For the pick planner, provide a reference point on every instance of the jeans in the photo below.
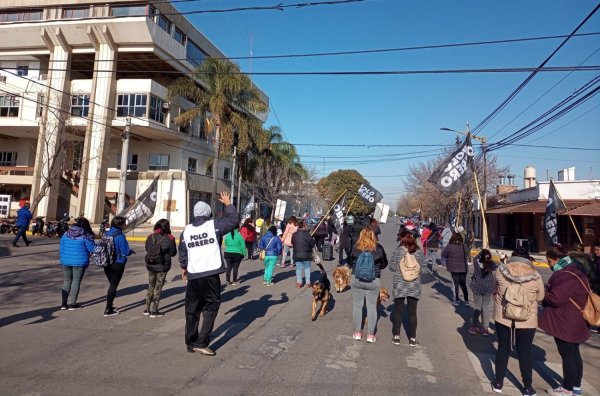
(460, 280)
(362, 291)
(202, 296)
(114, 273)
(233, 261)
(303, 266)
(286, 250)
(347, 251)
(72, 281)
(412, 316)
(572, 364)
(156, 280)
(523, 342)
(269, 266)
(21, 233)
(482, 305)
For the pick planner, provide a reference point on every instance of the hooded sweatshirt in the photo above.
(518, 270)
(75, 247)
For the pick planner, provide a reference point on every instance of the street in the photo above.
(265, 342)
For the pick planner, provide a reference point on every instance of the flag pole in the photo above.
(485, 240)
(458, 209)
(323, 218)
(350, 206)
(567, 212)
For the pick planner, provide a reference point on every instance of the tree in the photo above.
(226, 100)
(334, 185)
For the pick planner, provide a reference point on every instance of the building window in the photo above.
(132, 162)
(80, 105)
(159, 162)
(77, 12)
(192, 165)
(209, 170)
(132, 105)
(9, 106)
(179, 36)
(194, 54)
(226, 173)
(158, 109)
(164, 23)
(22, 70)
(8, 158)
(133, 10)
(19, 16)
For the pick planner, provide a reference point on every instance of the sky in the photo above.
(398, 112)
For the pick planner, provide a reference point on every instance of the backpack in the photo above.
(103, 254)
(154, 253)
(365, 267)
(409, 267)
(591, 310)
(515, 304)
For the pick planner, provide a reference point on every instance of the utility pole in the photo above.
(124, 161)
(233, 173)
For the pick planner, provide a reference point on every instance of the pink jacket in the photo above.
(286, 238)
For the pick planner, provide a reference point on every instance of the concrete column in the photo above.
(49, 158)
(97, 138)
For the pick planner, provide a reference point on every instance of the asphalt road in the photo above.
(266, 343)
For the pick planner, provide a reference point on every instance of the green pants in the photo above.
(269, 266)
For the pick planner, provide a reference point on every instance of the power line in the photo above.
(562, 126)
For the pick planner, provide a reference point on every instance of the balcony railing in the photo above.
(16, 170)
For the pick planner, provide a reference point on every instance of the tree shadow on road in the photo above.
(245, 314)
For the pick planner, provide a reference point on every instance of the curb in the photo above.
(496, 258)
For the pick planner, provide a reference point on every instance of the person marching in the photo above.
(483, 284)
(114, 271)
(271, 244)
(235, 250)
(160, 247)
(303, 245)
(23, 219)
(457, 264)
(249, 234)
(201, 263)
(286, 239)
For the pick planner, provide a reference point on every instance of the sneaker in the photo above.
(529, 391)
(299, 285)
(577, 391)
(412, 342)
(73, 307)
(15, 245)
(456, 303)
(371, 338)
(64, 307)
(308, 285)
(467, 304)
(264, 282)
(560, 391)
(396, 340)
(233, 283)
(270, 284)
(146, 312)
(357, 335)
(473, 330)
(156, 314)
(28, 243)
(111, 312)
(496, 387)
(204, 350)
(484, 332)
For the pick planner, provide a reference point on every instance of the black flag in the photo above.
(338, 214)
(451, 175)
(550, 225)
(369, 194)
(143, 209)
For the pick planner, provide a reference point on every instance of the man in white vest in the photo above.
(201, 262)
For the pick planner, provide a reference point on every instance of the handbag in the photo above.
(315, 256)
(263, 252)
(591, 310)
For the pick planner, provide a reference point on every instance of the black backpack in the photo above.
(154, 253)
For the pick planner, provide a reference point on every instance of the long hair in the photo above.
(236, 227)
(366, 241)
(456, 239)
(484, 255)
(85, 224)
(408, 241)
(164, 226)
(293, 220)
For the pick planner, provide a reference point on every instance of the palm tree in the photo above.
(227, 100)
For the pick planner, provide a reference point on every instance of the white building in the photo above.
(83, 67)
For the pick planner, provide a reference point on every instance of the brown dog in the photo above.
(383, 296)
(341, 278)
(321, 292)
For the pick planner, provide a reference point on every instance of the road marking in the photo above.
(420, 361)
(488, 360)
(345, 354)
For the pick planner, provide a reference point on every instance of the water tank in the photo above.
(529, 177)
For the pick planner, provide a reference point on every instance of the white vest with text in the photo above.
(203, 250)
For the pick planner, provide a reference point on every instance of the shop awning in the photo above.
(576, 208)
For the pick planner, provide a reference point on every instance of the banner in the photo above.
(369, 194)
(550, 224)
(381, 212)
(280, 207)
(142, 209)
(248, 209)
(451, 175)
(338, 214)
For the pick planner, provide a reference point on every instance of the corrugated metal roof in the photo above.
(576, 207)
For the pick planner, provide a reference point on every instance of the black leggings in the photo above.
(114, 273)
(460, 279)
(249, 247)
(572, 364)
(412, 316)
(523, 342)
(233, 263)
(342, 251)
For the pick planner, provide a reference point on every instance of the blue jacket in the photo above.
(122, 249)
(23, 217)
(274, 248)
(75, 247)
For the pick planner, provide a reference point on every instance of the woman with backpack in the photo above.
(75, 248)
(483, 284)
(566, 292)
(518, 285)
(235, 250)
(249, 234)
(457, 264)
(407, 285)
(114, 271)
(271, 244)
(286, 239)
(303, 245)
(160, 247)
(368, 259)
